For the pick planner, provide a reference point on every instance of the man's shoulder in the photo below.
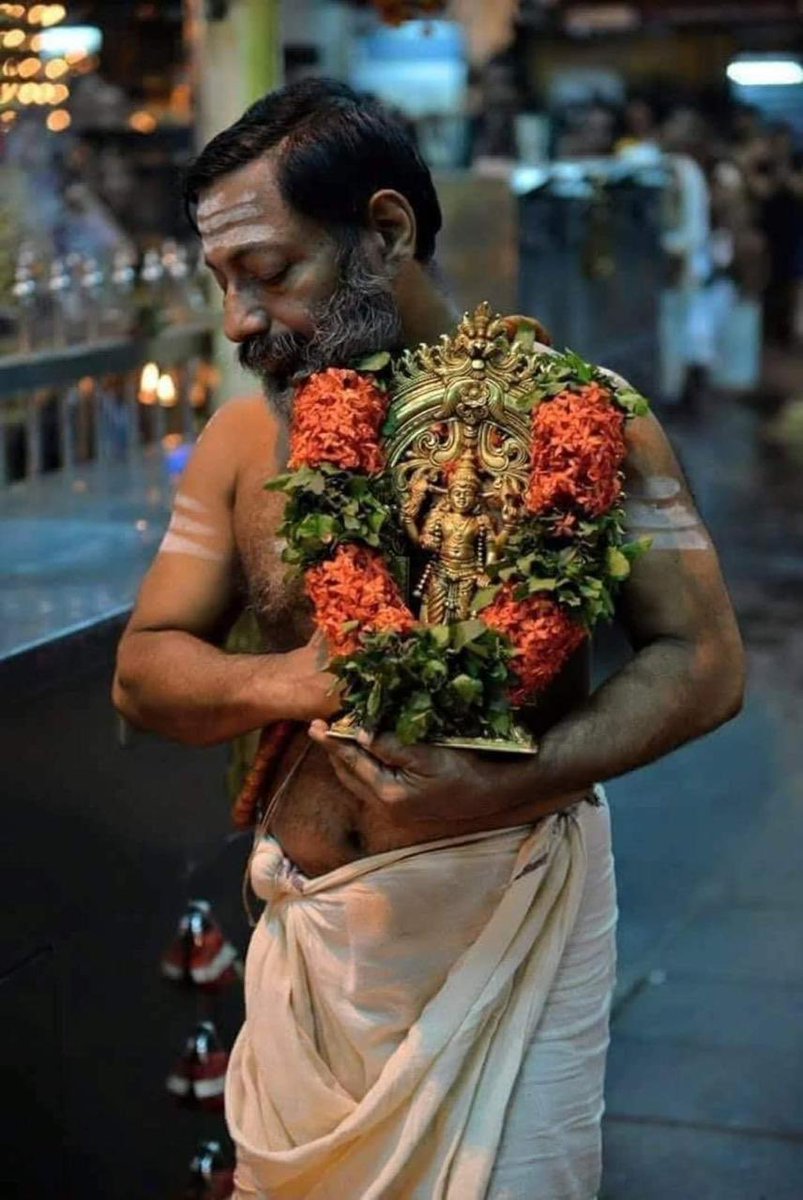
(241, 432)
(240, 414)
(240, 428)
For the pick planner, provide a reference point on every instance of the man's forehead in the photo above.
(247, 195)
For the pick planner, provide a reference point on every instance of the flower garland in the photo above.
(559, 573)
(353, 593)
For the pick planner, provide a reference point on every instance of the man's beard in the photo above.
(360, 318)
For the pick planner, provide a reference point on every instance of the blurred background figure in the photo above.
(639, 131)
(773, 171)
(690, 320)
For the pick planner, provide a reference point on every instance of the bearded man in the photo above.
(427, 989)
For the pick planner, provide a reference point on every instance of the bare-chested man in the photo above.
(427, 990)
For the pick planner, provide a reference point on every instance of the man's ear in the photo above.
(391, 217)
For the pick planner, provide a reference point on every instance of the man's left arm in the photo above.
(687, 674)
(685, 679)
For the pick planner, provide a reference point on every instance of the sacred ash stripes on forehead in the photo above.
(229, 216)
(238, 236)
(216, 202)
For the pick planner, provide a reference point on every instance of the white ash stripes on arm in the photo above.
(192, 535)
(657, 508)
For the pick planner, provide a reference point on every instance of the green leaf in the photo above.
(525, 337)
(635, 549)
(583, 370)
(316, 483)
(278, 484)
(466, 632)
(373, 362)
(501, 723)
(433, 672)
(469, 690)
(617, 563)
(374, 706)
(632, 401)
(441, 635)
(412, 727)
(484, 597)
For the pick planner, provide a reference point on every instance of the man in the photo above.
(688, 325)
(427, 989)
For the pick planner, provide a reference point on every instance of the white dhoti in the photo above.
(430, 1023)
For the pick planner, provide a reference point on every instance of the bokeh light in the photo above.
(59, 120)
(142, 121)
(56, 68)
(166, 391)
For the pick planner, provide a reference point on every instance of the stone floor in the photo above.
(705, 1086)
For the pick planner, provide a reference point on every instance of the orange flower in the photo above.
(578, 449)
(544, 635)
(356, 585)
(337, 418)
(565, 525)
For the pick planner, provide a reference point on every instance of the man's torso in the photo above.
(320, 824)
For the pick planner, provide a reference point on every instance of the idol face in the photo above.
(296, 298)
(463, 496)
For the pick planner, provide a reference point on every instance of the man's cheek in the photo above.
(293, 317)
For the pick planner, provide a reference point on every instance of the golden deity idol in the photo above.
(456, 533)
(458, 450)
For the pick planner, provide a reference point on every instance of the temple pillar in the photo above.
(236, 58)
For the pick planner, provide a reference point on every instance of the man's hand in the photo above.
(419, 784)
(312, 691)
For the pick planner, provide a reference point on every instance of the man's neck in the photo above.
(427, 311)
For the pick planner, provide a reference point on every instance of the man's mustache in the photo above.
(267, 353)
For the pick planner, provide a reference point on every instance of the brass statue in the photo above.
(458, 535)
(458, 444)
(459, 457)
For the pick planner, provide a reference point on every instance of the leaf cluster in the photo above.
(582, 574)
(434, 682)
(327, 507)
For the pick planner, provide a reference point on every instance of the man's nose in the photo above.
(243, 317)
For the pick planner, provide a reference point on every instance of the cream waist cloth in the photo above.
(390, 1005)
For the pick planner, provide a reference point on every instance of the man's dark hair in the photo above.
(335, 150)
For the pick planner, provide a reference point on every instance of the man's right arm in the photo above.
(172, 675)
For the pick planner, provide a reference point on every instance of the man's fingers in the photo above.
(352, 784)
(346, 754)
(387, 748)
(418, 762)
(350, 760)
(393, 753)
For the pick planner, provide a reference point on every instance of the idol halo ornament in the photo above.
(458, 516)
